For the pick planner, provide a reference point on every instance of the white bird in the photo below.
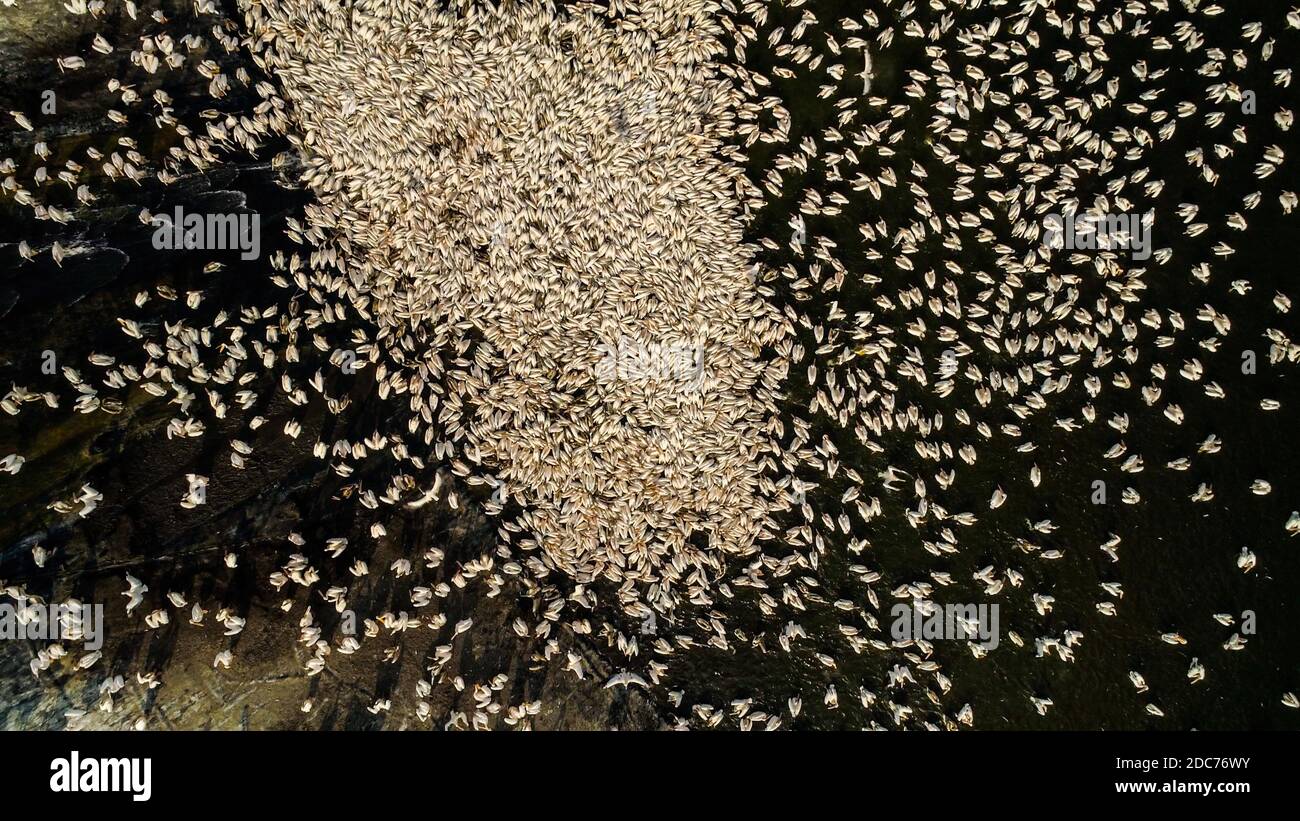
(626, 679)
(135, 592)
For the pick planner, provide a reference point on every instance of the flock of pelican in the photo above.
(505, 193)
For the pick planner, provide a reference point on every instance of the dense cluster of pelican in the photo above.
(530, 192)
(504, 194)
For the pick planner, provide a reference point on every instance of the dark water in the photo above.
(1177, 559)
